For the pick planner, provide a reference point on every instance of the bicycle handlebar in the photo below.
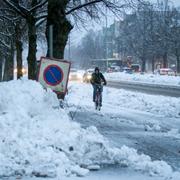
(98, 84)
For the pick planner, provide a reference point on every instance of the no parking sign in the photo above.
(54, 74)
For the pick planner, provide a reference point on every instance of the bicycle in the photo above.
(98, 96)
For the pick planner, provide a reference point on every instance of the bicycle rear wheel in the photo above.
(98, 102)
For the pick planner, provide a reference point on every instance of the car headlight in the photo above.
(79, 75)
(15, 70)
(23, 70)
(89, 77)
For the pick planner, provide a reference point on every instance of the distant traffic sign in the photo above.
(54, 74)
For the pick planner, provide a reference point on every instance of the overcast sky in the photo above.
(177, 2)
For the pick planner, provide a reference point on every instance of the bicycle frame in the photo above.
(98, 97)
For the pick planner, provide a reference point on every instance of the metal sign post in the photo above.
(51, 41)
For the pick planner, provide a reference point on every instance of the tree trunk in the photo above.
(177, 59)
(19, 59)
(153, 68)
(165, 60)
(32, 37)
(178, 63)
(61, 27)
(1, 63)
(9, 66)
(143, 64)
(19, 49)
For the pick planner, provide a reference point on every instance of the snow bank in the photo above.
(143, 162)
(116, 99)
(160, 105)
(37, 138)
(144, 78)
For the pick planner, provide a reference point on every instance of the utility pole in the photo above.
(106, 35)
(69, 50)
(106, 45)
(51, 41)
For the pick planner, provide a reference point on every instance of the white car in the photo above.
(166, 71)
(74, 75)
(114, 68)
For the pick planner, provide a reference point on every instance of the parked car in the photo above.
(87, 75)
(166, 71)
(114, 68)
(127, 70)
(135, 67)
(74, 75)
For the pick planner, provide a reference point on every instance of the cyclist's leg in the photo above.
(94, 92)
(101, 96)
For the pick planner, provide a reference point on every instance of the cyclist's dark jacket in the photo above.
(97, 78)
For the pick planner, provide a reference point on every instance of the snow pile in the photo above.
(173, 133)
(143, 162)
(159, 105)
(152, 127)
(144, 78)
(37, 138)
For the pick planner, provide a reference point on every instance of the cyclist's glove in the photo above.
(105, 83)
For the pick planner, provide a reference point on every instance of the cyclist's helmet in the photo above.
(96, 69)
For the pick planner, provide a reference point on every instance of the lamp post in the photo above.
(69, 50)
(51, 41)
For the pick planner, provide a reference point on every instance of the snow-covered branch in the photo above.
(83, 5)
(5, 44)
(18, 9)
(38, 6)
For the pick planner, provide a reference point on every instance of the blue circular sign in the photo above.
(53, 75)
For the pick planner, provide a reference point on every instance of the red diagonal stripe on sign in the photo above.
(53, 75)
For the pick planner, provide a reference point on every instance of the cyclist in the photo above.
(96, 80)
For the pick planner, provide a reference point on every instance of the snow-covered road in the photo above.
(120, 130)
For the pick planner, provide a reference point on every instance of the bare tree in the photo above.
(62, 14)
(29, 11)
(6, 47)
(175, 37)
(151, 33)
